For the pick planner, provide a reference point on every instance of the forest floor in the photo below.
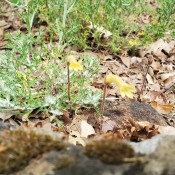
(150, 114)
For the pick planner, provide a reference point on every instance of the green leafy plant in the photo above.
(69, 20)
(33, 79)
(34, 72)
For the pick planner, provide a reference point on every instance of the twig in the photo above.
(150, 58)
(170, 87)
(111, 98)
(103, 99)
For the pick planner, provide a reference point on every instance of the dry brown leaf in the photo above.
(104, 69)
(135, 60)
(156, 65)
(156, 96)
(153, 132)
(126, 61)
(108, 125)
(145, 124)
(75, 138)
(169, 80)
(112, 92)
(149, 79)
(158, 46)
(155, 87)
(167, 75)
(86, 129)
(1, 33)
(151, 72)
(162, 108)
(6, 114)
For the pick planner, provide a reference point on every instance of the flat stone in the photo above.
(135, 110)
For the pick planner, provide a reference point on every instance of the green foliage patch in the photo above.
(33, 71)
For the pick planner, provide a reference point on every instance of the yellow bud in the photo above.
(114, 79)
(74, 64)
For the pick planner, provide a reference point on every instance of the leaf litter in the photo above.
(158, 91)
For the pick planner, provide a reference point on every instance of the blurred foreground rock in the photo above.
(39, 153)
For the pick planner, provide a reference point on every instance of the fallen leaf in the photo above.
(75, 138)
(156, 65)
(158, 46)
(149, 79)
(108, 125)
(86, 129)
(162, 108)
(155, 87)
(135, 60)
(170, 80)
(167, 75)
(158, 97)
(5, 114)
(126, 61)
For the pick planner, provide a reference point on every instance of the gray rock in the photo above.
(5, 126)
(147, 146)
(154, 156)
(162, 161)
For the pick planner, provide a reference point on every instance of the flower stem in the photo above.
(103, 99)
(68, 85)
(150, 58)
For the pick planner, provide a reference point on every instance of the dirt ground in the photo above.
(150, 114)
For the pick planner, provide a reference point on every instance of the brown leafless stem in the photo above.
(144, 79)
(103, 99)
(68, 85)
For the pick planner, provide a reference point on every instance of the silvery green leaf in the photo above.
(49, 99)
(56, 112)
(5, 102)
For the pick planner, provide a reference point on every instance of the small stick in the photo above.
(103, 99)
(144, 79)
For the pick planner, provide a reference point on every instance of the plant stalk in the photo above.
(103, 99)
(144, 79)
(68, 85)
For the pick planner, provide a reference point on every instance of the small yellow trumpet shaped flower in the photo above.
(125, 89)
(114, 79)
(74, 64)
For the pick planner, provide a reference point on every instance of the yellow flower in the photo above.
(132, 42)
(141, 33)
(74, 64)
(25, 84)
(125, 89)
(114, 79)
(19, 74)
